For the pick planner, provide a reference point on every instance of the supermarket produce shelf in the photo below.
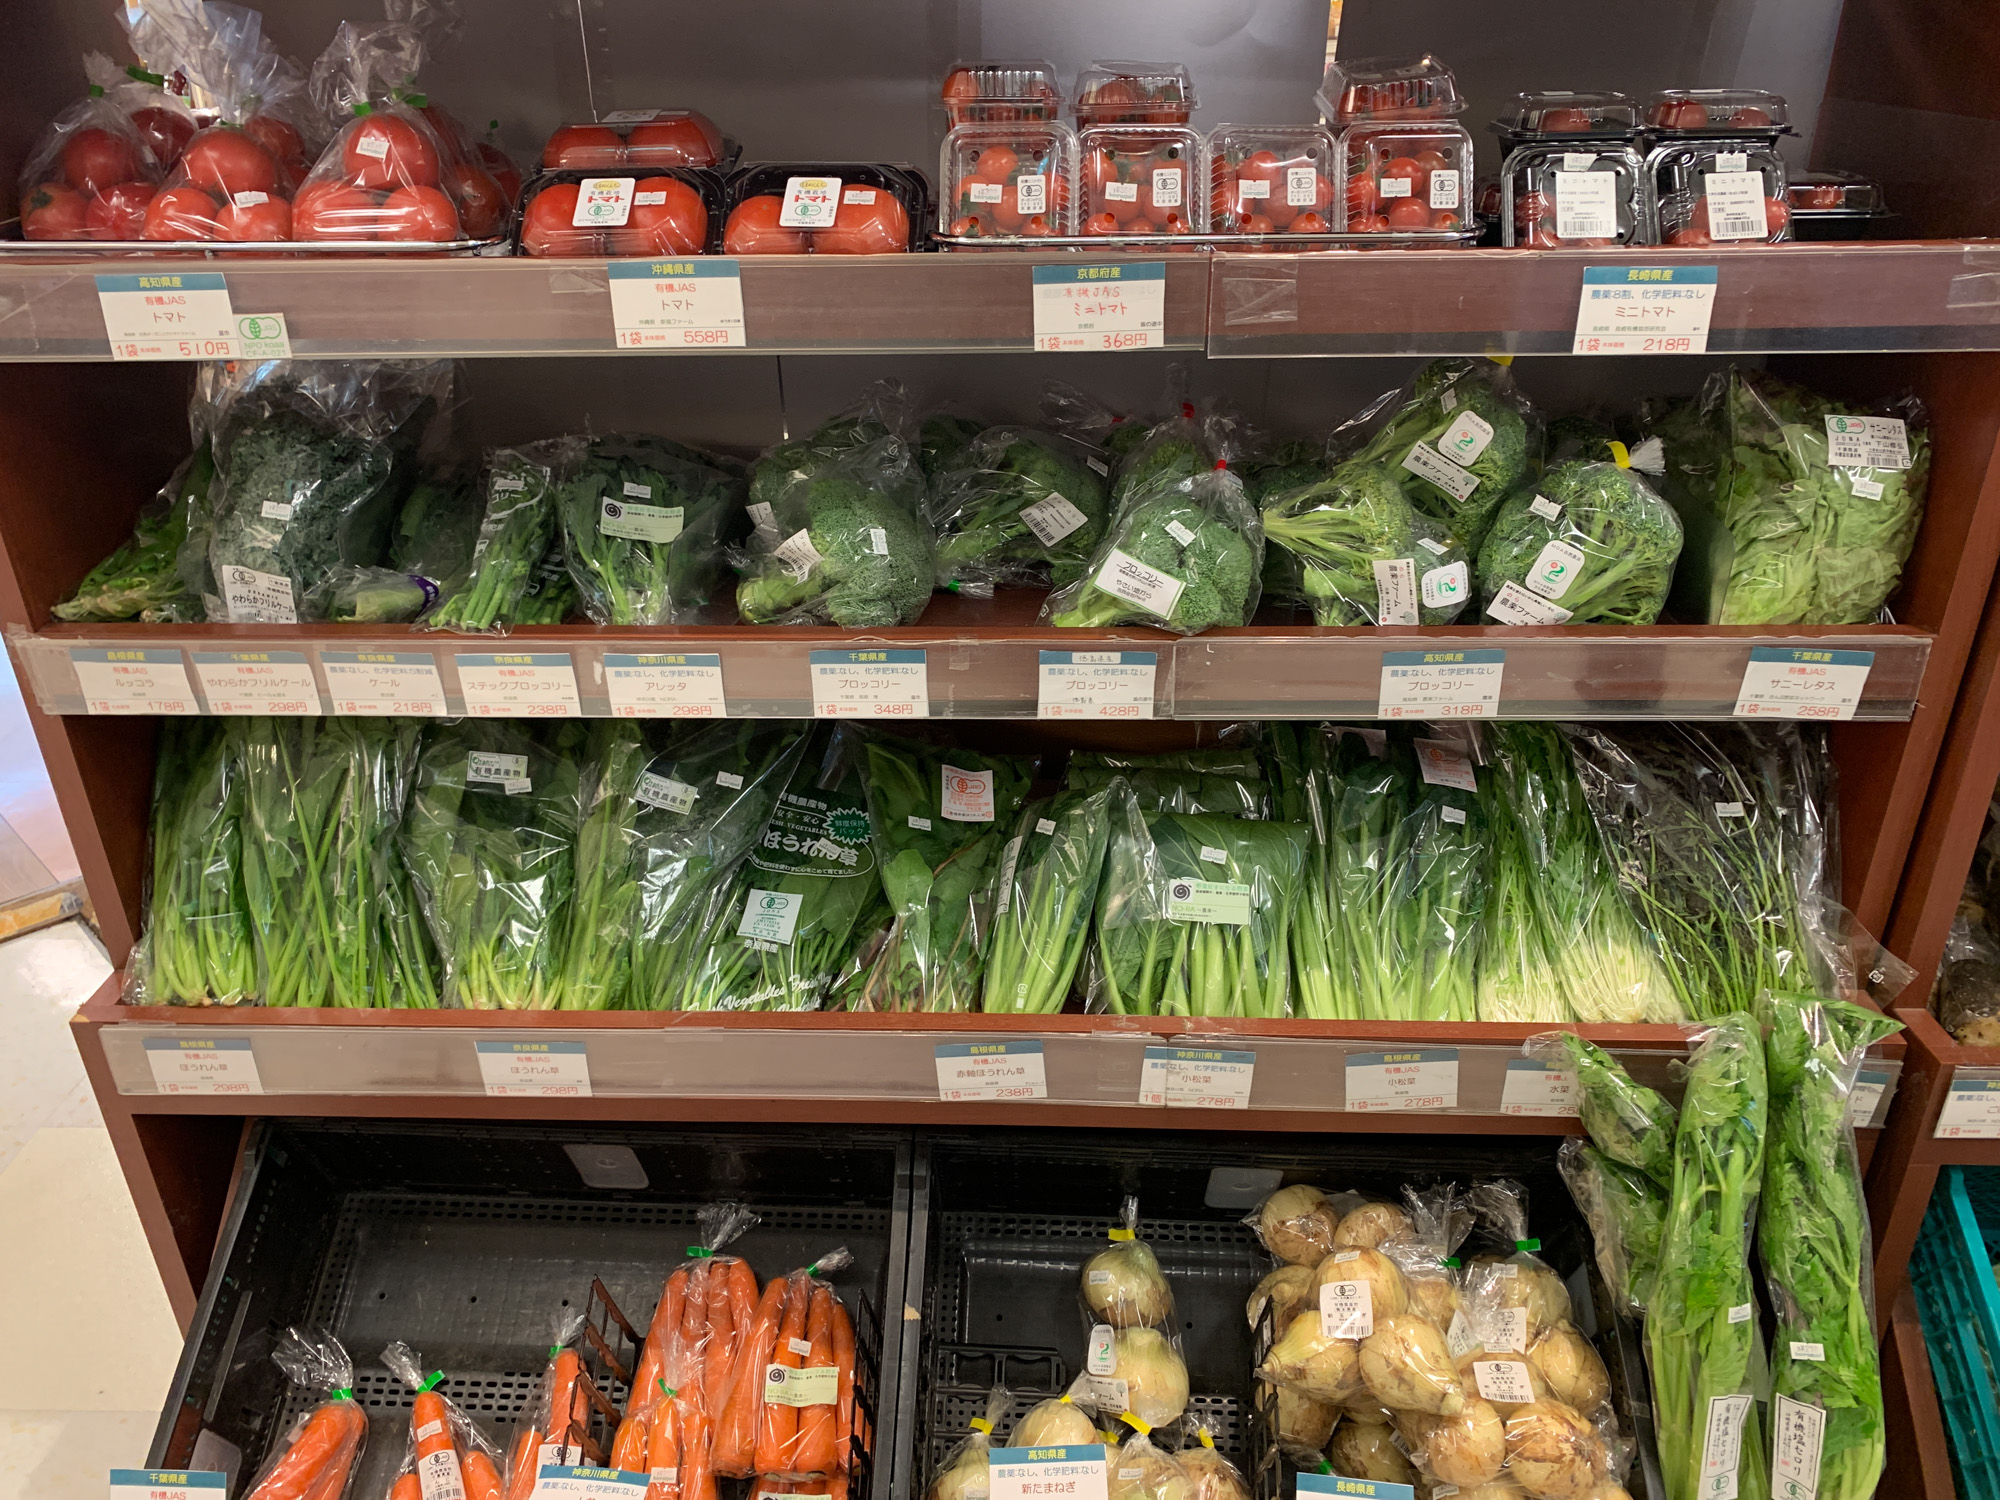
(983, 660)
(884, 1068)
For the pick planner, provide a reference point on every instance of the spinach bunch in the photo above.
(644, 520)
(1043, 898)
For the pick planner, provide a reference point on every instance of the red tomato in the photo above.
(1818, 195)
(181, 213)
(119, 212)
(545, 223)
(1101, 223)
(1138, 226)
(1255, 224)
(500, 167)
(1432, 161)
(960, 89)
(1680, 114)
(966, 226)
(482, 207)
(1109, 103)
(269, 220)
(1691, 235)
(1409, 213)
(1307, 223)
(1035, 226)
(877, 226)
(1363, 201)
(1564, 121)
(420, 213)
(385, 150)
(997, 163)
(1405, 169)
(165, 131)
(335, 211)
(226, 161)
(676, 225)
(676, 141)
(1777, 214)
(586, 146)
(1750, 117)
(54, 211)
(1533, 208)
(276, 136)
(753, 229)
(94, 159)
(1449, 220)
(1368, 224)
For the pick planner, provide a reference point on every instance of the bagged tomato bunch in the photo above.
(477, 175)
(825, 208)
(89, 177)
(668, 212)
(163, 118)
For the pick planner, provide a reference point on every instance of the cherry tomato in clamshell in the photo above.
(1101, 223)
(119, 212)
(1308, 223)
(1035, 227)
(1680, 114)
(677, 224)
(1369, 224)
(1403, 169)
(1565, 121)
(165, 131)
(1818, 195)
(967, 227)
(1532, 208)
(251, 222)
(94, 159)
(1778, 215)
(1138, 226)
(182, 213)
(1406, 214)
(1256, 224)
(753, 229)
(1750, 117)
(1432, 161)
(1446, 220)
(1363, 201)
(54, 211)
(997, 163)
(384, 151)
(1691, 236)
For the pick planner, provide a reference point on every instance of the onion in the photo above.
(1156, 1382)
(1370, 1225)
(1054, 1423)
(1213, 1476)
(1468, 1376)
(1297, 1224)
(1467, 1448)
(966, 1477)
(1434, 1298)
(1326, 1369)
(1288, 1290)
(1140, 1471)
(1551, 1451)
(1573, 1369)
(1369, 1451)
(1388, 1293)
(1502, 1488)
(1304, 1422)
(1123, 1287)
(1407, 1366)
(1522, 1282)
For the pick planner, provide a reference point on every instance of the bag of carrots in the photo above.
(703, 1310)
(676, 1448)
(319, 1455)
(789, 1408)
(554, 1427)
(449, 1457)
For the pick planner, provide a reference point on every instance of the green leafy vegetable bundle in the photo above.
(1366, 557)
(1461, 433)
(1587, 543)
(1228, 778)
(141, 580)
(516, 525)
(643, 521)
(1043, 897)
(1161, 456)
(1627, 1214)
(1195, 915)
(1185, 557)
(1826, 1376)
(550, 596)
(941, 437)
(1703, 1341)
(490, 843)
(1016, 506)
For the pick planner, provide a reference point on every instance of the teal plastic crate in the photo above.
(1960, 1303)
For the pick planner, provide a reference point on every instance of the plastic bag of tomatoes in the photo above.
(1007, 181)
(663, 211)
(163, 119)
(1275, 179)
(875, 209)
(89, 177)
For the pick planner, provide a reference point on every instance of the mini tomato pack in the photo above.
(989, 92)
(1389, 88)
(628, 139)
(1007, 182)
(1134, 93)
(1701, 114)
(1720, 192)
(1271, 179)
(825, 208)
(664, 211)
(1579, 194)
(1406, 179)
(1140, 179)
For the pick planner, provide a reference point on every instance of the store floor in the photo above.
(87, 1342)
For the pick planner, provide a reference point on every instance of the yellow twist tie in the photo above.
(1621, 455)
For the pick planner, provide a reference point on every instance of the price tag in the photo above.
(203, 1065)
(1079, 1472)
(870, 685)
(1645, 310)
(1441, 684)
(367, 683)
(168, 1484)
(1196, 1078)
(534, 1070)
(670, 685)
(1353, 1489)
(1797, 1438)
(571, 1483)
(1971, 1110)
(1403, 1080)
(1097, 684)
(676, 304)
(991, 1070)
(257, 682)
(1866, 1098)
(184, 315)
(133, 682)
(1080, 308)
(539, 685)
(1535, 1088)
(1784, 682)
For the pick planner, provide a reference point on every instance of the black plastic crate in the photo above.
(1002, 1223)
(468, 1241)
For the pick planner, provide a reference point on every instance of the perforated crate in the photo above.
(1959, 1301)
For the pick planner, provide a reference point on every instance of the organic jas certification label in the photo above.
(990, 1070)
(370, 683)
(184, 315)
(278, 683)
(1798, 1434)
(1097, 684)
(132, 681)
(534, 1070)
(1078, 1472)
(1426, 1079)
(1645, 310)
(1441, 684)
(1971, 1110)
(1785, 682)
(202, 1065)
(168, 1484)
(1722, 1446)
(676, 304)
(1083, 308)
(870, 684)
(1535, 1088)
(537, 685)
(665, 685)
(1196, 1078)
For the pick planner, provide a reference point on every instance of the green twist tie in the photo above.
(431, 1384)
(364, 108)
(342, 1393)
(157, 80)
(97, 91)
(1527, 1245)
(1323, 1467)
(665, 1389)
(554, 1350)
(492, 124)
(700, 1251)
(1451, 1262)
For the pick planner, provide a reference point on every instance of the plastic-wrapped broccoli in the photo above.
(942, 437)
(1587, 543)
(1185, 557)
(844, 545)
(1461, 433)
(1171, 450)
(1017, 506)
(1367, 556)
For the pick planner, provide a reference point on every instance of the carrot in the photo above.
(778, 1425)
(697, 1471)
(717, 1349)
(684, 1355)
(435, 1443)
(843, 1361)
(564, 1369)
(407, 1488)
(332, 1484)
(663, 1450)
(816, 1451)
(628, 1447)
(482, 1480)
(665, 1328)
(734, 1449)
(523, 1463)
(313, 1453)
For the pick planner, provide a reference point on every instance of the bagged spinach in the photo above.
(643, 522)
(141, 580)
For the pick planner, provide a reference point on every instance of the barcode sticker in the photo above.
(1736, 209)
(1586, 204)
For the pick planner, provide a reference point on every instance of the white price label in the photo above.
(184, 315)
(1798, 1436)
(1722, 1446)
(167, 1484)
(202, 1065)
(870, 685)
(1346, 1310)
(1119, 307)
(369, 683)
(1736, 208)
(534, 1070)
(568, 1482)
(1586, 203)
(676, 304)
(1866, 1097)
(1971, 1110)
(536, 685)
(1097, 684)
(1052, 519)
(1503, 1380)
(809, 202)
(991, 1070)
(1218, 903)
(1867, 443)
(1396, 591)
(1784, 682)
(1645, 310)
(1445, 763)
(132, 681)
(603, 202)
(1535, 1088)
(1441, 684)
(278, 683)
(1811, 1353)
(1125, 577)
(1196, 1078)
(1072, 1473)
(1454, 479)
(1255, 187)
(1315, 1486)
(1426, 1079)
(665, 685)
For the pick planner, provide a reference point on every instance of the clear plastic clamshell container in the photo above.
(1007, 182)
(1723, 192)
(1272, 179)
(1405, 179)
(1389, 88)
(1134, 93)
(1680, 114)
(1558, 114)
(1834, 205)
(988, 92)
(640, 138)
(1576, 194)
(1140, 179)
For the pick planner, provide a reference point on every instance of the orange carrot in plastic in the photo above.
(816, 1450)
(697, 1468)
(663, 1447)
(778, 1426)
(664, 1329)
(482, 1479)
(406, 1488)
(628, 1446)
(843, 1361)
(734, 1449)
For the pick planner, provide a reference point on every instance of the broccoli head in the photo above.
(1200, 534)
(942, 439)
(1170, 453)
(1476, 436)
(859, 558)
(1340, 527)
(1605, 556)
(1008, 489)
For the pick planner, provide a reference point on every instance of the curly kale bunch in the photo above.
(1588, 543)
(1463, 437)
(1184, 556)
(844, 545)
(642, 525)
(1017, 506)
(1367, 557)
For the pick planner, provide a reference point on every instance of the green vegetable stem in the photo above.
(1478, 439)
(514, 533)
(1348, 529)
(1587, 543)
(1017, 506)
(141, 579)
(1043, 896)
